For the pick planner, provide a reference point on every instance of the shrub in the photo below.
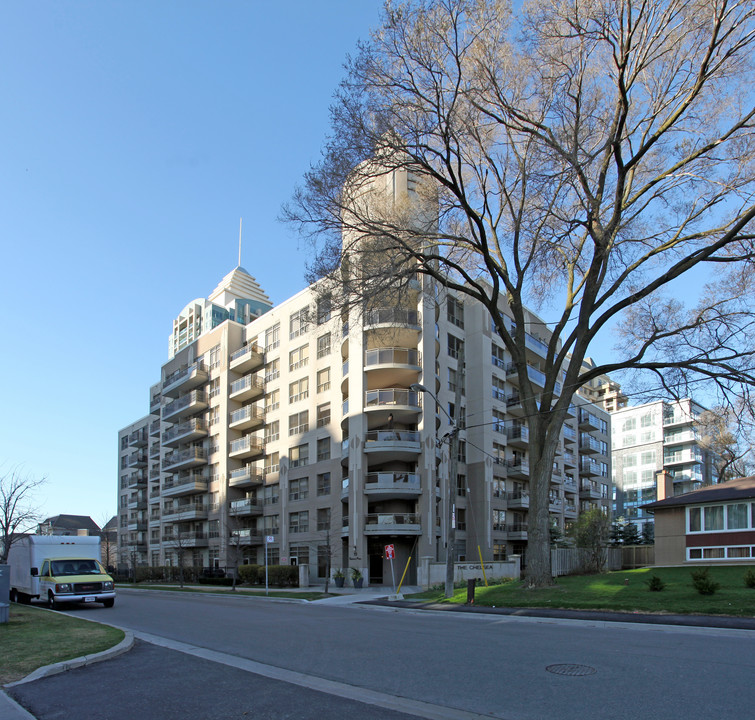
(655, 584)
(702, 582)
(251, 573)
(216, 581)
(750, 578)
(282, 575)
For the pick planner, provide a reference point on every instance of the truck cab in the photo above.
(69, 580)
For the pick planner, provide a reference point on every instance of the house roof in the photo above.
(738, 489)
(72, 522)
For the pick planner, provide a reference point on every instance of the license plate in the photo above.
(89, 598)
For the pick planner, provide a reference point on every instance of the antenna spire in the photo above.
(240, 242)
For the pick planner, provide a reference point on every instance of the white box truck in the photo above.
(59, 570)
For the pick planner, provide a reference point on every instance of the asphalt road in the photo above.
(322, 659)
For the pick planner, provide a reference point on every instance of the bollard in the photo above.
(470, 590)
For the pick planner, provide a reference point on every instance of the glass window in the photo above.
(630, 460)
(298, 358)
(323, 484)
(272, 337)
(455, 312)
(323, 380)
(455, 346)
(714, 517)
(736, 516)
(646, 420)
(298, 390)
(298, 423)
(713, 553)
(298, 522)
(298, 489)
(695, 519)
(629, 424)
(323, 415)
(272, 431)
(323, 345)
(298, 323)
(323, 449)
(324, 307)
(299, 455)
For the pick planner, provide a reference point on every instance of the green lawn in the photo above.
(293, 594)
(621, 591)
(34, 637)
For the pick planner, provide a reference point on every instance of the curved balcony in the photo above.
(186, 432)
(185, 379)
(403, 404)
(392, 524)
(246, 418)
(247, 476)
(387, 485)
(190, 404)
(404, 325)
(402, 445)
(392, 366)
(248, 387)
(247, 358)
(246, 447)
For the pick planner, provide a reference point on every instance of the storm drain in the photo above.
(571, 670)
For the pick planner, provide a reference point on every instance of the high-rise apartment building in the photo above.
(654, 437)
(300, 423)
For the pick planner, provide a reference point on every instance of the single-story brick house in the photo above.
(715, 524)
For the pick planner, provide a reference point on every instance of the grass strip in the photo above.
(220, 589)
(34, 637)
(621, 591)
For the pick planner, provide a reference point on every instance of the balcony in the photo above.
(246, 536)
(137, 479)
(403, 445)
(246, 447)
(186, 432)
(682, 457)
(188, 539)
(154, 403)
(245, 507)
(570, 487)
(247, 418)
(588, 444)
(392, 524)
(137, 460)
(248, 387)
(137, 525)
(516, 531)
(392, 317)
(189, 483)
(514, 404)
(555, 505)
(154, 428)
(570, 510)
(589, 491)
(184, 459)
(154, 451)
(589, 467)
(517, 468)
(518, 499)
(518, 436)
(588, 421)
(387, 485)
(247, 358)
(181, 512)
(403, 404)
(570, 459)
(247, 476)
(677, 419)
(535, 376)
(185, 379)
(570, 434)
(137, 501)
(391, 366)
(138, 438)
(190, 404)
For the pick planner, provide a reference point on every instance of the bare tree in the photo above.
(728, 433)
(109, 539)
(17, 511)
(585, 157)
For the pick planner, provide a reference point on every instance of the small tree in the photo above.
(616, 536)
(648, 533)
(591, 533)
(630, 535)
(17, 511)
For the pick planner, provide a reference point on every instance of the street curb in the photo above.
(122, 647)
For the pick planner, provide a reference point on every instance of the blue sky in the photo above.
(135, 135)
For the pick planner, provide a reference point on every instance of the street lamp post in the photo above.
(453, 442)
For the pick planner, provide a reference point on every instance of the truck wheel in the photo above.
(51, 602)
(109, 603)
(13, 595)
(24, 599)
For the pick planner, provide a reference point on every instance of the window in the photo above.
(646, 420)
(694, 515)
(461, 519)
(499, 552)
(323, 519)
(298, 423)
(323, 345)
(462, 451)
(215, 357)
(629, 424)
(270, 525)
(323, 415)
(647, 458)
(298, 390)
(499, 488)
(324, 308)
(298, 489)
(736, 516)
(298, 522)
(272, 463)
(323, 484)
(272, 431)
(299, 455)
(323, 380)
(455, 346)
(298, 323)
(647, 436)
(298, 358)
(455, 311)
(273, 370)
(214, 416)
(323, 449)
(499, 420)
(630, 460)
(713, 517)
(270, 494)
(629, 440)
(299, 554)
(499, 389)
(272, 401)
(214, 388)
(499, 520)
(499, 359)
(273, 337)
(461, 485)
(452, 379)
(499, 453)
(460, 421)
(273, 555)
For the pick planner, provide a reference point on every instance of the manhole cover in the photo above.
(572, 670)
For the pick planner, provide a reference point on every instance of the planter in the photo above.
(358, 583)
(339, 582)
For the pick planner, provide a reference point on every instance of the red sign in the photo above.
(390, 552)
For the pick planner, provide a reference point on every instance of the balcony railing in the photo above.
(391, 356)
(392, 481)
(392, 396)
(392, 436)
(391, 316)
(377, 519)
(195, 426)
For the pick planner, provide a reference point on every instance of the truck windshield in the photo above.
(75, 567)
